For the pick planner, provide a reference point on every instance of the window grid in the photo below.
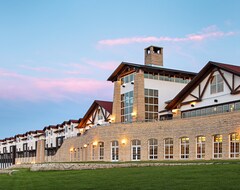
(234, 145)
(115, 151)
(201, 147)
(216, 85)
(168, 148)
(151, 104)
(101, 150)
(217, 146)
(153, 149)
(126, 106)
(136, 150)
(184, 148)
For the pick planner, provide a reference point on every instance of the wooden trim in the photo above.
(205, 87)
(233, 81)
(199, 90)
(225, 80)
(235, 92)
(237, 88)
(194, 96)
(104, 115)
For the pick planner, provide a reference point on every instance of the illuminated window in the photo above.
(136, 150)
(93, 151)
(153, 149)
(201, 147)
(234, 145)
(216, 84)
(168, 148)
(217, 146)
(115, 151)
(151, 104)
(126, 106)
(184, 148)
(101, 150)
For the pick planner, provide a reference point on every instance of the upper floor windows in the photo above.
(216, 84)
(127, 78)
(166, 77)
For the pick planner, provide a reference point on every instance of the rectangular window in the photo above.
(101, 150)
(151, 104)
(216, 85)
(126, 106)
(201, 147)
(168, 148)
(184, 148)
(153, 149)
(234, 145)
(217, 146)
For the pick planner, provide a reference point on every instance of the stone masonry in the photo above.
(81, 148)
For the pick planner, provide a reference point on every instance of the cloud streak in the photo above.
(207, 33)
(15, 86)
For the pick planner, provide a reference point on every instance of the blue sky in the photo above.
(55, 56)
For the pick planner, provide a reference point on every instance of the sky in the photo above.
(56, 56)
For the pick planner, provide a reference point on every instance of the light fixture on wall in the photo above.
(124, 141)
(132, 82)
(95, 143)
(193, 104)
(85, 145)
(123, 85)
(215, 100)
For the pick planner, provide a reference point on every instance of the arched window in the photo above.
(101, 150)
(114, 151)
(217, 146)
(168, 148)
(201, 147)
(136, 150)
(234, 145)
(152, 149)
(184, 148)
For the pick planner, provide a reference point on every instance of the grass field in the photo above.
(217, 176)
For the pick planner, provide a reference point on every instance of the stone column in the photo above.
(116, 110)
(40, 154)
(138, 97)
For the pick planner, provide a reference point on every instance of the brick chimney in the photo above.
(154, 55)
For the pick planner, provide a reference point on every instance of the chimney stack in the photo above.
(154, 56)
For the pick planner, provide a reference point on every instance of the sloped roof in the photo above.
(199, 78)
(148, 68)
(104, 104)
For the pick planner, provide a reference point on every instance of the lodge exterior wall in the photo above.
(224, 124)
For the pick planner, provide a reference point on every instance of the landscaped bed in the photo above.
(216, 176)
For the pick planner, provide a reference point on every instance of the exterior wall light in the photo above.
(133, 114)
(95, 143)
(85, 145)
(193, 104)
(71, 149)
(124, 141)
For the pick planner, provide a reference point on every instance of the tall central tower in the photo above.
(154, 56)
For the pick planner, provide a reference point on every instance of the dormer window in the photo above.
(216, 84)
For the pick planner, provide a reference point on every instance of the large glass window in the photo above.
(136, 150)
(168, 148)
(184, 148)
(151, 104)
(101, 150)
(115, 151)
(201, 147)
(153, 149)
(234, 145)
(126, 106)
(127, 78)
(217, 146)
(216, 84)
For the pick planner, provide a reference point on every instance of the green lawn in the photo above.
(217, 176)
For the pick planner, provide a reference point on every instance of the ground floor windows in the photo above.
(115, 151)
(136, 150)
(184, 148)
(101, 150)
(168, 148)
(201, 147)
(152, 149)
(234, 145)
(217, 146)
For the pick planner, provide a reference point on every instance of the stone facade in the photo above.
(138, 100)
(81, 148)
(116, 112)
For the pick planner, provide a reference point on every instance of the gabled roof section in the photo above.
(206, 70)
(104, 104)
(149, 68)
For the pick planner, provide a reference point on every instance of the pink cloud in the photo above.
(206, 33)
(16, 86)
